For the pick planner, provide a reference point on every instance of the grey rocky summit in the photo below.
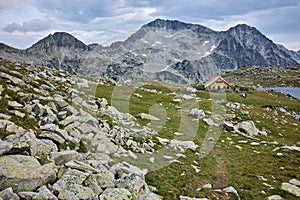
(163, 50)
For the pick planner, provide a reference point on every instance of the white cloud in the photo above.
(35, 25)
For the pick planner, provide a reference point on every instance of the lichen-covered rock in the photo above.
(135, 185)
(105, 179)
(191, 198)
(52, 136)
(182, 145)
(128, 169)
(249, 127)
(275, 197)
(24, 173)
(76, 192)
(1, 89)
(5, 147)
(74, 164)
(10, 128)
(41, 149)
(291, 189)
(92, 183)
(197, 113)
(101, 159)
(115, 194)
(15, 105)
(27, 195)
(45, 194)
(63, 157)
(8, 194)
(70, 186)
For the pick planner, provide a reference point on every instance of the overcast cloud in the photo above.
(24, 22)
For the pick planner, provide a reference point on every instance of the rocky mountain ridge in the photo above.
(162, 50)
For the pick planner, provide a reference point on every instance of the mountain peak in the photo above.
(176, 25)
(61, 39)
(243, 28)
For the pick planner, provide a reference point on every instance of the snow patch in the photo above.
(169, 36)
(205, 42)
(145, 41)
(212, 48)
(165, 69)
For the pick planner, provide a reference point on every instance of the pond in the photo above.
(294, 91)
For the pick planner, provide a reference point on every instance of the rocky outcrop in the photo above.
(58, 148)
(24, 173)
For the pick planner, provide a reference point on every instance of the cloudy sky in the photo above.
(24, 22)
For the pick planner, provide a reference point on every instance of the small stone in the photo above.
(233, 105)
(147, 116)
(15, 105)
(295, 182)
(261, 178)
(189, 198)
(207, 186)
(4, 116)
(197, 170)
(231, 189)
(228, 126)
(291, 189)
(254, 144)
(1, 89)
(163, 141)
(19, 114)
(197, 113)
(275, 197)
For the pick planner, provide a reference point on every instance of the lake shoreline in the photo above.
(293, 91)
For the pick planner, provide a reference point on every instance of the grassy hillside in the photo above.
(227, 164)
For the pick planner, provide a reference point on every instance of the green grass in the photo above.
(241, 166)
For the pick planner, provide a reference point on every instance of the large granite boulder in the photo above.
(24, 173)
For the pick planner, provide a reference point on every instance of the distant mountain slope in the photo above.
(294, 54)
(164, 50)
(265, 76)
